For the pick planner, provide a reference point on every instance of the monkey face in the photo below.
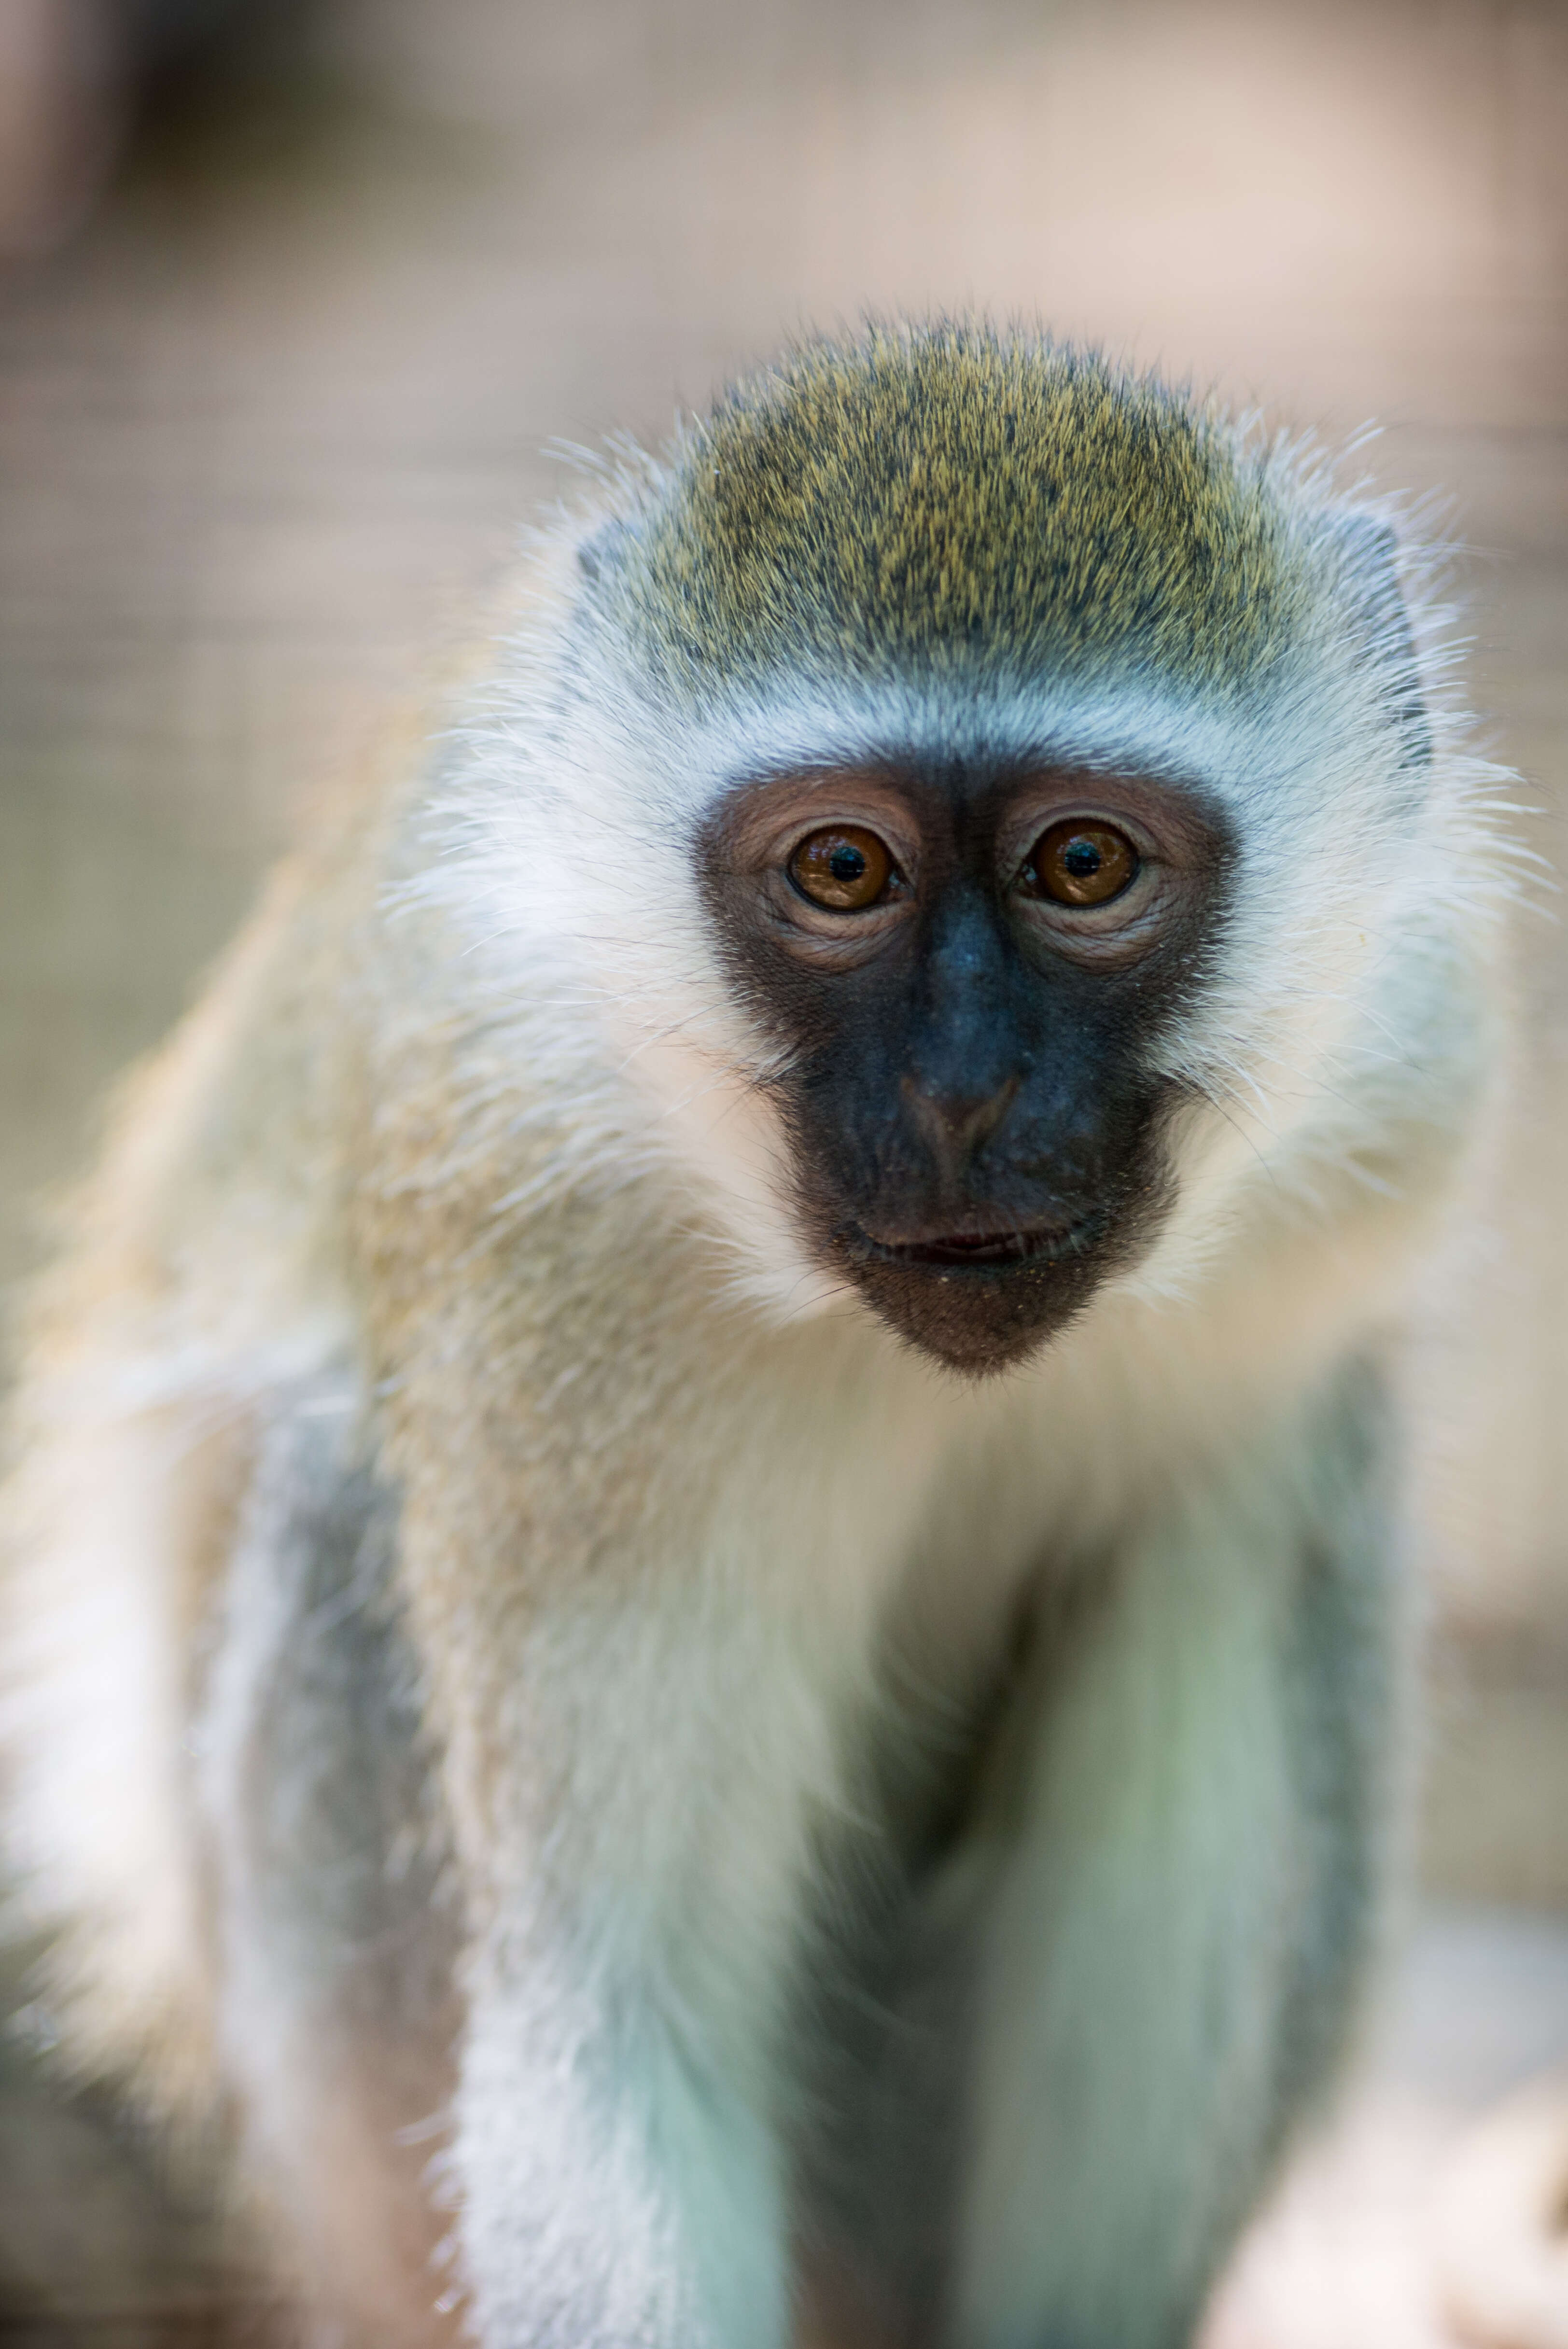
(965, 967)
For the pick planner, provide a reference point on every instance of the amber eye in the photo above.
(842, 867)
(1081, 864)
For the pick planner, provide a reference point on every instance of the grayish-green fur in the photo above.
(945, 500)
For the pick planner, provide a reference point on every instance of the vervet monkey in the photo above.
(706, 1607)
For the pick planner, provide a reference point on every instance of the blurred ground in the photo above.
(269, 419)
(1350, 2254)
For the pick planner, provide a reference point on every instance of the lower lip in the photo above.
(988, 1252)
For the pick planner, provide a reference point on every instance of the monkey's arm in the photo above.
(616, 2137)
(619, 2192)
(1176, 1950)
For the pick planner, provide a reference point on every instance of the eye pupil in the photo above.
(1082, 859)
(846, 863)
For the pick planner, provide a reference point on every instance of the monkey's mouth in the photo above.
(984, 1251)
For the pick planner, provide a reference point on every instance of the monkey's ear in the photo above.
(1369, 554)
(596, 553)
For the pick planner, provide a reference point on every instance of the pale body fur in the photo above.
(460, 1180)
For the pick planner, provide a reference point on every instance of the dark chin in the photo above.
(981, 1319)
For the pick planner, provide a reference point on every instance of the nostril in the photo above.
(957, 1123)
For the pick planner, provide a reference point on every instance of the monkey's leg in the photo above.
(338, 2012)
(1170, 1964)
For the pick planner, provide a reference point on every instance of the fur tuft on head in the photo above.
(939, 499)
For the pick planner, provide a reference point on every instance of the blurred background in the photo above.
(295, 295)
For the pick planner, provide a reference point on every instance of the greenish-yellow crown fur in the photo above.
(937, 500)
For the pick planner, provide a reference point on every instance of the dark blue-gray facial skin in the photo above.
(965, 962)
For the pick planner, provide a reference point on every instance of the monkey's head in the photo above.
(976, 773)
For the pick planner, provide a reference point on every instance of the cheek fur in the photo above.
(729, 1140)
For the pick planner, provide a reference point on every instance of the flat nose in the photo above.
(957, 1124)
